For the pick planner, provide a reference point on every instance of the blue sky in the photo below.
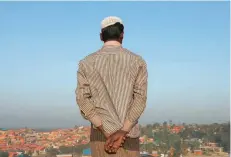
(185, 44)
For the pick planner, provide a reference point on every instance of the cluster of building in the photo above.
(208, 147)
(36, 143)
(32, 142)
(211, 148)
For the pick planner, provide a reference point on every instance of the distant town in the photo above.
(157, 140)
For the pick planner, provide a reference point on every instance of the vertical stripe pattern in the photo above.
(112, 88)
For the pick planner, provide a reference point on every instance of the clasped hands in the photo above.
(114, 141)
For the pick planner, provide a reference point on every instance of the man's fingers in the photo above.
(116, 145)
(111, 150)
(115, 148)
(111, 144)
(114, 142)
(106, 147)
(108, 141)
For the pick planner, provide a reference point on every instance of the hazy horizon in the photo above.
(88, 124)
(185, 44)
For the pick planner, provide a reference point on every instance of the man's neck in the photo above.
(112, 43)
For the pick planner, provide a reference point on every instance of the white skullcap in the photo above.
(111, 20)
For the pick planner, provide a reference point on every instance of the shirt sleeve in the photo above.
(84, 98)
(139, 98)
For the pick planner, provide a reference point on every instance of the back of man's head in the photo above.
(112, 29)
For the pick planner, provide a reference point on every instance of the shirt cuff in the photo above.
(128, 125)
(96, 121)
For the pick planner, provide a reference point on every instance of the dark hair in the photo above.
(112, 32)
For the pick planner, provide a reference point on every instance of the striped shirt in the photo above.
(112, 89)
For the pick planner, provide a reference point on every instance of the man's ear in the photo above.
(101, 37)
(122, 35)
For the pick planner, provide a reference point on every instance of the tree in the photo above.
(149, 148)
(142, 147)
(4, 154)
(155, 125)
(225, 137)
(165, 134)
(79, 149)
(147, 131)
(30, 153)
(84, 138)
(186, 133)
(177, 148)
(26, 155)
(171, 152)
(195, 145)
(142, 130)
(65, 150)
(163, 148)
(184, 149)
(165, 123)
(170, 122)
(8, 141)
(149, 126)
(52, 152)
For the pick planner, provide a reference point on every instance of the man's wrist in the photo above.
(124, 132)
(100, 128)
(128, 125)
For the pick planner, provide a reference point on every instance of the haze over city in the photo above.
(185, 45)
